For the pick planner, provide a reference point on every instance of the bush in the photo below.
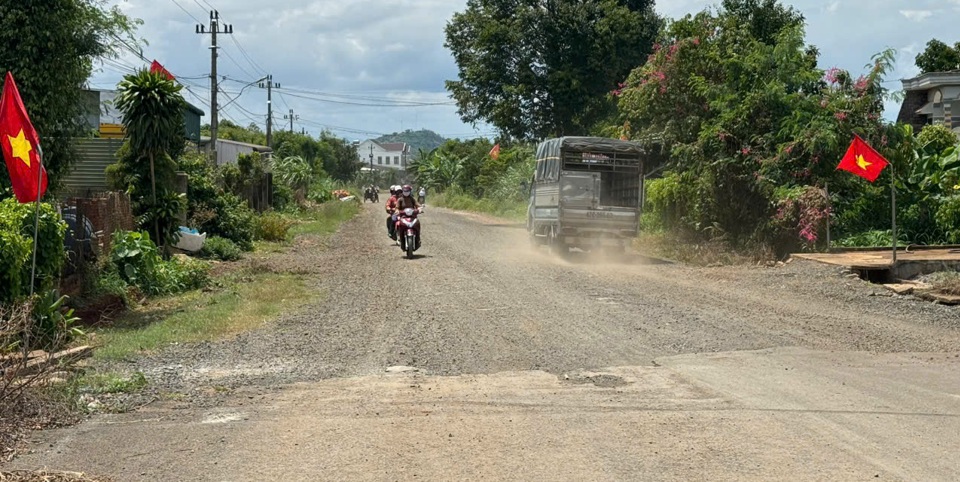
(219, 248)
(234, 221)
(213, 210)
(53, 323)
(273, 227)
(16, 248)
(948, 219)
(936, 138)
(137, 261)
(872, 239)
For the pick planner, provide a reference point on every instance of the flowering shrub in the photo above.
(748, 116)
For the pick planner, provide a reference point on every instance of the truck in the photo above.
(586, 193)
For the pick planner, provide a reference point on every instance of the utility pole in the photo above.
(214, 29)
(371, 155)
(292, 118)
(269, 85)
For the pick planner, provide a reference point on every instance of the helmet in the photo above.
(407, 189)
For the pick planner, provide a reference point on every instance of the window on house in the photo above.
(379, 159)
(396, 160)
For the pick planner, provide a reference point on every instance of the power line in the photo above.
(362, 104)
(186, 11)
(365, 97)
(243, 51)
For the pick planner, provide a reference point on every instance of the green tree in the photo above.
(152, 109)
(939, 57)
(750, 124)
(536, 68)
(50, 46)
(342, 162)
(765, 19)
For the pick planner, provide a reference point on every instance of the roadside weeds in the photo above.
(245, 295)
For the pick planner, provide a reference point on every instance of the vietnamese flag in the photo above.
(495, 152)
(863, 160)
(21, 145)
(157, 68)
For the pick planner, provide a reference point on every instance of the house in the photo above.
(228, 151)
(932, 98)
(94, 154)
(384, 155)
(103, 117)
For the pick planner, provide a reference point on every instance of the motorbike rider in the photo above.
(422, 195)
(392, 210)
(406, 200)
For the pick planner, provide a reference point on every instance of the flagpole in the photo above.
(893, 216)
(826, 192)
(36, 221)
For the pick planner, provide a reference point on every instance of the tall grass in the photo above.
(509, 209)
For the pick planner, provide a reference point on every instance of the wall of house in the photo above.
(380, 156)
(912, 102)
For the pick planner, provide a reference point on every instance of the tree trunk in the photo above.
(153, 183)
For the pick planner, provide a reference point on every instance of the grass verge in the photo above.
(326, 219)
(662, 245)
(513, 210)
(244, 303)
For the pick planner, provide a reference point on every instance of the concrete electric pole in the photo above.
(214, 29)
(269, 85)
(292, 118)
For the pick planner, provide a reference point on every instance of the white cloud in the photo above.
(832, 7)
(916, 15)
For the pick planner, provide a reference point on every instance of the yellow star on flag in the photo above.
(863, 162)
(21, 147)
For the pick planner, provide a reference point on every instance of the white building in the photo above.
(384, 155)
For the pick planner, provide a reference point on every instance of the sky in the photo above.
(362, 68)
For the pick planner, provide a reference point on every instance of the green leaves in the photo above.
(537, 69)
(16, 248)
(152, 109)
(49, 46)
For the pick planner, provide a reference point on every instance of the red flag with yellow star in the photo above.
(21, 145)
(863, 160)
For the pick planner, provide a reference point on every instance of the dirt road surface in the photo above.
(487, 359)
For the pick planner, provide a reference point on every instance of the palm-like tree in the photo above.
(294, 171)
(152, 109)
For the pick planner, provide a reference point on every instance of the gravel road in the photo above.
(487, 319)
(480, 299)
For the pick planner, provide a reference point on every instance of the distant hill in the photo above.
(423, 139)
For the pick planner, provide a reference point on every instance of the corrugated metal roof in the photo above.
(93, 157)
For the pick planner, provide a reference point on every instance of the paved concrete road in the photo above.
(533, 368)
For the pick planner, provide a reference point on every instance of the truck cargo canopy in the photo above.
(587, 153)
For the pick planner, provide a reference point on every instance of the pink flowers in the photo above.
(745, 151)
(831, 75)
(788, 149)
(619, 90)
(861, 85)
(696, 41)
(840, 116)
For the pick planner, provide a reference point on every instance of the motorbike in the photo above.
(408, 231)
(371, 195)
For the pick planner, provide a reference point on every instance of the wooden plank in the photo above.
(37, 365)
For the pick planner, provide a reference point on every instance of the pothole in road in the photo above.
(602, 380)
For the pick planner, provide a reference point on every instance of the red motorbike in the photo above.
(408, 230)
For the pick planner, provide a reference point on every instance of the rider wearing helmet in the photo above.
(392, 210)
(406, 199)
